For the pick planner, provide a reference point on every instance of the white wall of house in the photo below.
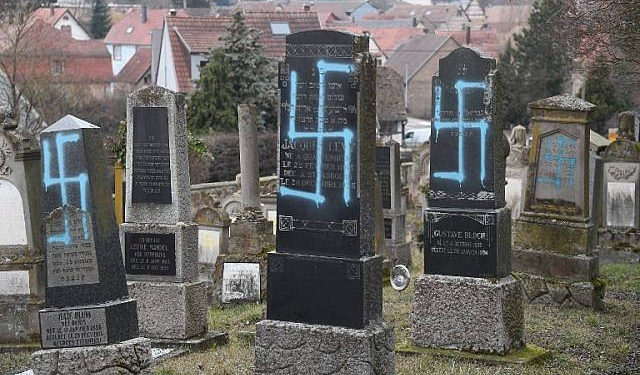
(77, 32)
(167, 77)
(126, 53)
(362, 10)
(196, 59)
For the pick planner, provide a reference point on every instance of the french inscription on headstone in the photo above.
(71, 251)
(150, 254)
(240, 282)
(14, 283)
(383, 168)
(151, 162)
(73, 328)
(318, 199)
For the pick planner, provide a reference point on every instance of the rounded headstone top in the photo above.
(150, 94)
(69, 122)
(565, 102)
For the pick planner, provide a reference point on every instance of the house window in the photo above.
(66, 29)
(280, 28)
(57, 68)
(117, 53)
(203, 63)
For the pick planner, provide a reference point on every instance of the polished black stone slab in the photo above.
(383, 169)
(324, 290)
(150, 254)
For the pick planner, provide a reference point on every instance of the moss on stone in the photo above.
(528, 354)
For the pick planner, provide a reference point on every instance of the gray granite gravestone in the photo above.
(213, 241)
(467, 228)
(87, 303)
(21, 253)
(553, 237)
(621, 190)
(324, 281)
(159, 240)
(395, 246)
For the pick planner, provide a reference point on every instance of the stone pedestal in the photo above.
(128, 357)
(171, 310)
(285, 348)
(465, 313)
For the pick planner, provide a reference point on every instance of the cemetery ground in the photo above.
(581, 341)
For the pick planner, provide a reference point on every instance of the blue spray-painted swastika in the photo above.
(63, 180)
(320, 135)
(560, 154)
(460, 126)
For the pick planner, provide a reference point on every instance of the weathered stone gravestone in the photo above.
(250, 235)
(395, 246)
(621, 188)
(553, 238)
(467, 228)
(213, 240)
(87, 304)
(517, 170)
(324, 281)
(159, 241)
(21, 252)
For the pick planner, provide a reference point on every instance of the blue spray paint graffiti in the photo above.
(320, 135)
(559, 156)
(460, 126)
(63, 180)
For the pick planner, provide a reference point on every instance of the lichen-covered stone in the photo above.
(479, 315)
(534, 286)
(128, 357)
(286, 348)
(558, 292)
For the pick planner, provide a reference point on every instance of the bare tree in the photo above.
(15, 23)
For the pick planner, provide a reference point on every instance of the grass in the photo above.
(582, 341)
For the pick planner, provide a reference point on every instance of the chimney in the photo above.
(415, 21)
(52, 11)
(467, 36)
(143, 13)
(156, 44)
(173, 12)
(306, 7)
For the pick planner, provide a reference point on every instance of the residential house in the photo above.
(390, 110)
(383, 41)
(53, 55)
(484, 41)
(417, 61)
(186, 42)
(136, 74)
(361, 10)
(131, 33)
(61, 19)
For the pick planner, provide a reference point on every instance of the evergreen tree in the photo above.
(100, 20)
(538, 64)
(600, 91)
(235, 74)
(212, 105)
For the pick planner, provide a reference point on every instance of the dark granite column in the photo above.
(87, 303)
(324, 281)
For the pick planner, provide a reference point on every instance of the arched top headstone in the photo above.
(13, 230)
(212, 217)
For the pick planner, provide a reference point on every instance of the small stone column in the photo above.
(159, 240)
(249, 167)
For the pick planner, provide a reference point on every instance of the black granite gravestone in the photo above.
(150, 254)
(465, 227)
(325, 201)
(383, 169)
(151, 162)
(86, 292)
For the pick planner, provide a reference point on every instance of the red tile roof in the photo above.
(200, 34)
(85, 61)
(49, 15)
(483, 40)
(388, 39)
(139, 33)
(138, 65)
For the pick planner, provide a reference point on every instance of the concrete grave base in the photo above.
(286, 348)
(552, 234)
(397, 253)
(19, 325)
(170, 310)
(525, 355)
(465, 313)
(128, 357)
(564, 293)
(619, 245)
(195, 344)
